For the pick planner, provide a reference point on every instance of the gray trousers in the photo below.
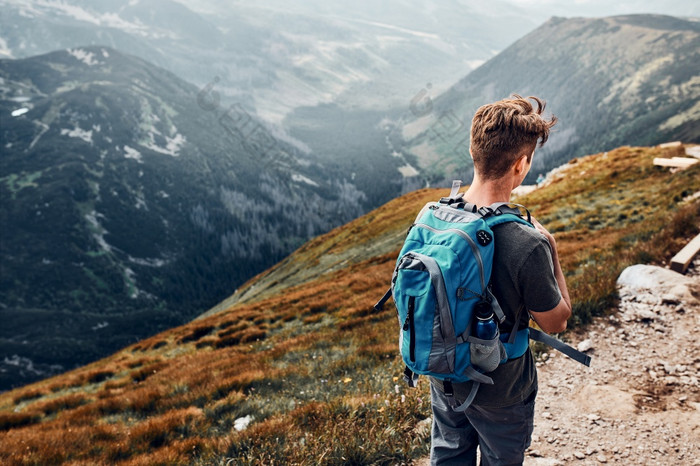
(502, 434)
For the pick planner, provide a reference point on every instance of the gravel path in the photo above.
(639, 402)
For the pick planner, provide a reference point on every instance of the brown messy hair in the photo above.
(504, 131)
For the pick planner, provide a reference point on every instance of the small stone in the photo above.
(601, 458)
(585, 345)
(669, 299)
(646, 315)
(535, 453)
(593, 417)
(547, 415)
(579, 455)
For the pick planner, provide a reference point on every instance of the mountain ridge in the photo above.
(623, 79)
(132, 199)
(273, 57)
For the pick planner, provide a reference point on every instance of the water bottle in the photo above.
(486, 327)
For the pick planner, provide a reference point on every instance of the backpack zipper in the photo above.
(411, 328)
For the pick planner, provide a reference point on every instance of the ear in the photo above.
(520, 165)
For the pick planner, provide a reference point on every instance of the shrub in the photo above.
(60, 404)
(228, 341)
(27, 395)
(197, 333)
(13, 420)
(98, 376)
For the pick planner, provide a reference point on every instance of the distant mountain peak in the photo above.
(629, 78)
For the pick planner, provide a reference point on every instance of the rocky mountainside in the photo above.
(624, 79)
(131, 201)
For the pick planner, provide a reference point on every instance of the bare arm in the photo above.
(554, 320)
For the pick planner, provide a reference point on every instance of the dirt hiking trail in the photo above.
(639, 402)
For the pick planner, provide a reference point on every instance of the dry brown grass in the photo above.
(316, 366)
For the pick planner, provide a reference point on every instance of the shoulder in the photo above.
(518, 245)
(517, 234)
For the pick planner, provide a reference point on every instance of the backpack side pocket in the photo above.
(486, 354)
(424, 316)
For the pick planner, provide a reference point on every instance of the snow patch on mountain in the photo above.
(147, 262)
(77, 132)
(84, 56)
(98, 231)
(303, 179)
(172, 144)
(131, 153)
(19, 111)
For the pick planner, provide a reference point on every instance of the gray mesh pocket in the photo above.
(487, 354)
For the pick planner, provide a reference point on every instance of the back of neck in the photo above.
(485, 193)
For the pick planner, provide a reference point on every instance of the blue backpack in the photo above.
(442, 277)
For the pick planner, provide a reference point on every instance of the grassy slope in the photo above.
(308, 359)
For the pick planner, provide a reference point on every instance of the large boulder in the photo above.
(664, 284)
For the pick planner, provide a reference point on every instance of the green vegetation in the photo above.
(16, 183)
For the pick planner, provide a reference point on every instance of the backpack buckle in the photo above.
(487, 211)
(452, 199)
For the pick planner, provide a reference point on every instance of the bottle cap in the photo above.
(483, 310)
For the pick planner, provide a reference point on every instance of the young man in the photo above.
(527, 280)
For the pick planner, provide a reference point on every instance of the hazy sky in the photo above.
(540, 8)
(608, 7)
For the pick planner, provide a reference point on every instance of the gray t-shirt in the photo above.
(523, 275)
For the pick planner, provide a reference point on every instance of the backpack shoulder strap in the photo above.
(559, 345)
(502, 212)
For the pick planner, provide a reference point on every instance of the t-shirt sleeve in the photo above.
(538, 286)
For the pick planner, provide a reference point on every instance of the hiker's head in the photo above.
(506, 131)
